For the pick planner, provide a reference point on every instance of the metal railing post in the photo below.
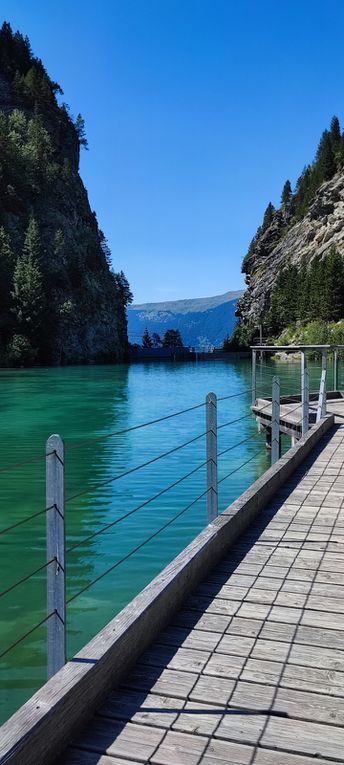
(56, 571)
(322, 396)
(275, 421)
(211, 428)
(335, 369)
(324, 369)
(305, 401)
(254, 376)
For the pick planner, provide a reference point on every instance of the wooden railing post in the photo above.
(305, 401)
(211, 428)
(275, 421)
(56, 571)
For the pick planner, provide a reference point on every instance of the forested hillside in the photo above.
(294, 266)
(59, 300)
(203, 322)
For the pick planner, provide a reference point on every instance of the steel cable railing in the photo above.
(135, 510)
(26, 635)
(27, 577)
(138, 547)
(136, 468)
(55, 491)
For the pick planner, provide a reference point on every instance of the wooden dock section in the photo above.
(234, 655)
(251, 670)
(291, 411)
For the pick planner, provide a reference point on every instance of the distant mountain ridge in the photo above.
(203, 322)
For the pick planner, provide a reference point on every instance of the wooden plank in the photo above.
(227, 753)
(172, 657)
(167, 682)
(121, 740)
(224, 666)
(295, 736)
(272, 757)
(198, 718)
(212, 690)
(81, 757)
(142, 708)
(328, 638)
(236, 645)
(327, 619)
(244, 626)
(270, 649)
(313, 656)
(304, 738)
(180, 749)
(260, 671)
(315, 680)
(207, 622)
(186, 638)
(314, 707)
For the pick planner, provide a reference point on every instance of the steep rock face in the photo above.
(78, 313)
(320, 229)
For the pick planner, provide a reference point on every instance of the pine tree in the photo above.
(268, 216)
(325, 159)
(146, 340)
(27, 291)
(80, 129)
(32, 242)
(6, 273)
(335, 133)
(286, 195)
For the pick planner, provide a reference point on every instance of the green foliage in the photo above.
(294, 206)
(122, 285)
(286, 194)
(27, 292)
(325, 158)
(51, 248)
(242, 338)
(147, 340)
(20, 352)
(172, 339)
(315, 332)
(309, 293)
(156, 339)
(80, 129)
(6, 272)
(268, 216)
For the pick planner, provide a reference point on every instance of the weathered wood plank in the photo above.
(180, 749)
(142, 708)
(119, 739)
(81, 757)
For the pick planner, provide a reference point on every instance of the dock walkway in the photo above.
(251, 670)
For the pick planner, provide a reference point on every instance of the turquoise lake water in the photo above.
(82, 403)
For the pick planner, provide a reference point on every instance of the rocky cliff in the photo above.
(59, 300)
(296, 233)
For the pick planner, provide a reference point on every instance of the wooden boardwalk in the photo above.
(251, 671)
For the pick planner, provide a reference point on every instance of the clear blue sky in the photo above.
(196, 112)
